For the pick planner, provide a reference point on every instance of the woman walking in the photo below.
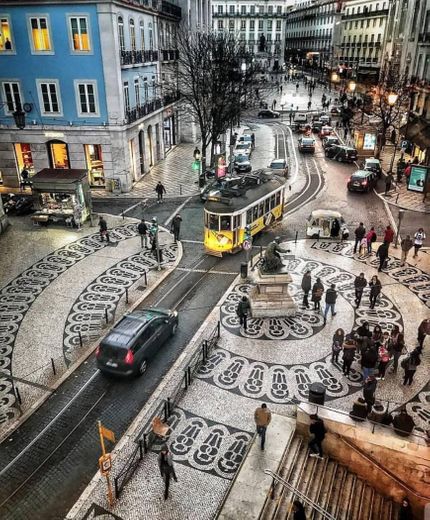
(383, 358)
(317, 292)
(410, 365)
(349, 346)
(338, 339)
(375, 290)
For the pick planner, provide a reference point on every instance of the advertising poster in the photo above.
(417, 178)
(369, 142)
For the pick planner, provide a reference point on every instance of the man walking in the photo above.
(317, 429)
(388, 181)
(262, 417)
(103, 229)
(167, 470)
(330, 301)
(359, 284)
(243, 308)
(388, 235)
(406, 245)
(142, 229)
(161, 190)
(359, 235)
(175, 228)
(382, 254)
(306, 287)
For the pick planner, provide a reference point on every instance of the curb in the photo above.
(407, 208)
(91, 348)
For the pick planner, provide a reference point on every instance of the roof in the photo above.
(252, 194)
(361, 173)
(317, 213)
(65, 175)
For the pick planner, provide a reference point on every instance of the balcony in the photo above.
(170, 98)
(169, 55)
(368, 14)
(140, 111)
(138, 57)
(171, 10)
(424, 37)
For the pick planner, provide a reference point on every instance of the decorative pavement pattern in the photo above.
(17, 297)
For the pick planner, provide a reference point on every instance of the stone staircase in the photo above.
(330, 485)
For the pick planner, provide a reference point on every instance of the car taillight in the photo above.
(364, 183)
(98, 351)
(350, 179)
(128, 360)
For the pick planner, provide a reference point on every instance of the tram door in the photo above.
(236, 230)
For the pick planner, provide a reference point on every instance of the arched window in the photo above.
(132, 35)
(151, 37)
(142, 35)
(121, 33)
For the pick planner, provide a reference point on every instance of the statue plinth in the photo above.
(270, 297)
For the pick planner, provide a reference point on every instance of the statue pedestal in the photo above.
(270, 297)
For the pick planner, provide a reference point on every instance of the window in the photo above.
(243, 9)
(151, 37)
(126, 95)
(137, 92)
(270, 9)
(225, 223)
(279, 9)
(252, 9)
(12, 96)
(220, 25)
(142, 36)
(121, 34)
(39, 34)
(243, 25)
(79, 34)
(252, 25)
(231, 25)
(87, 98)
(132, 35)
(146, 89)
(231, 9)
(278, 25)
(213, 222)
(220, 9)
(49, 97)
(6, 44)
(260, 25)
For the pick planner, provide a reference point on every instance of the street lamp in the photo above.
(352, 86)
(392, 98)
(19, 114)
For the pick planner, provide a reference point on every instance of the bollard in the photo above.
(18, 395)
(123, 216)
(219, 329)
(169, 407)
(180, 189)
(145, 443)
(297, 234)
(140, 449)
(80, 338)
(289, 187)
(53, 366)
(126, 295)
(106, 316)
(185, 379)
(146, 278)
(166, 411)
(261, 251)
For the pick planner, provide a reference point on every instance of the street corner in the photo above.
(82, 287)
(276, 359)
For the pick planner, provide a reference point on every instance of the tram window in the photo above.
(236, 221)
(255, 213)
(272, 201)
(261, 209)
(278, 198)
(267, 206)
(226, 223)
(213, 222)
(249, 216)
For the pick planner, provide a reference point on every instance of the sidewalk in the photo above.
(273, 361)
(59, 294)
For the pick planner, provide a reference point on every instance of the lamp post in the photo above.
(392, 100)
(401, 215)
(19, 114)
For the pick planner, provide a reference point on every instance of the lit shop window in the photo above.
(40, 39)
(5, 35)
(80, 36)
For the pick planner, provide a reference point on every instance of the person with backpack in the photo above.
(330, 301)
(359, 235)
(306, 287)
(383, 358)
(160, 190)
(382, 254)
(370, 238)
(410, 365)
(317, 292)
(103, 230)
(397, 344)
(369, 359)
(338, 339)
(175, 227)
(262, 418)
(243, 310)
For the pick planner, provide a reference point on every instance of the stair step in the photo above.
(318, 477)
(376, 506)
(345, 496)
(357, 499)
(326, 488)
(305, 481)
(385, 513)
(365, 511)
(338, 481)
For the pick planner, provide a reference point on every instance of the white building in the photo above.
(311, 31)
(258, 24)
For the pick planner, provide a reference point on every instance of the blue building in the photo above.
(91, 79)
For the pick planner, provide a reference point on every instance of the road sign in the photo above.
(246, 245)
(105, 464)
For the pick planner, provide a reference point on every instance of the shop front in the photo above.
(169, 130)
(24, 158)
(58, 154)
(94, 158)
(58, 192)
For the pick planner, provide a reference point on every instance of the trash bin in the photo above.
(244, 270)
(317, 393)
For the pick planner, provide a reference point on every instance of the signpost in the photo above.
(105, 461)
(247, 242)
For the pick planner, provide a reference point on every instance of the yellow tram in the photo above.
(226, 218)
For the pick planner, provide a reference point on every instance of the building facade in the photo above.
(258, 24)
(89, 76)
(360, 48)
(311, 29)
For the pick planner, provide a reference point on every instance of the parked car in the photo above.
(307, 144)
(279, 166)
(246, 138)
(341, 153)
(242, 149)
(242, 164)
(373, 165)
(135, 340)
(325, 131)
(269, 114)
(362, 180)
(316, 127)
(330, 140)
(300, 117)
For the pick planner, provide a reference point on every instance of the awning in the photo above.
(58, 179)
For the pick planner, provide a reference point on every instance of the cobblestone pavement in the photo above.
(61, 293)
(274, 361)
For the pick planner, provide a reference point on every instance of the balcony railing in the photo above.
(170, 55)
(368, 14)
(170, 98)
(136, 57)
(133, 114)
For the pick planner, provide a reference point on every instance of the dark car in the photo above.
(362, 180)
(330, 140)
(316, 126)
(135, 340)
(307, 144)
(242, 164)
(341, 153)
(269, 114)
(279, 167)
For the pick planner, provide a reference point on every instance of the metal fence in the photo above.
(128, 469)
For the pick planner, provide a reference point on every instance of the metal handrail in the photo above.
(304, 498)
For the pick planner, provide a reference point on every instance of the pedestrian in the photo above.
(397, 345)
(335, 228)
(410, 365)
(77, 215)
(330, 301)
(297, 87)
(197, 154)
(359, 284)
(318, 431)
(298, 510)
(403, 423)
(369, 359)
(370, 238)
(306, 287)
(24, 178)
(103, 230)
(243, 309)
(363, 336)
(309, 105)
(359, 233)
(362, 250)
(175, 227)
(377, 335)
(419, 238)
(252, 140)
(167, 470)
(142, 229)
(405, 511)
(317, 292)
(338, 339)
(383, 358)
(388, 234)
(382, 254)
(349, 347)
(423, 331)
(161, 190)
(388, 181)
(280, 88)
(262, 417)
(369, 390)
(274, 104)
(153, 233)
(375, 290)
(406, 245)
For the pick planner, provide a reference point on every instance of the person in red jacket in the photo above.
(389, 235)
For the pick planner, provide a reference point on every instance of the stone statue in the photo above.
(272, 259)
(262, 44)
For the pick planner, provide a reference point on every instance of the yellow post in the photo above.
(102, 443)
